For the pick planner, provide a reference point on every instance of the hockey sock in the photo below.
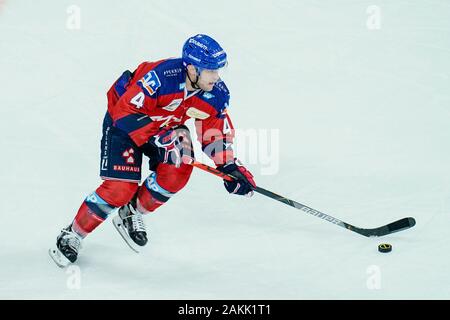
(93, 211)
(151, 195)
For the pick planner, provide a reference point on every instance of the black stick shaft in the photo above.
(302, 207)
(402, 224)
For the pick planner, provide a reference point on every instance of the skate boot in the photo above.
(131, 226)
(68, 244)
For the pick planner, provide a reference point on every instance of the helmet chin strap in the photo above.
(193, 83)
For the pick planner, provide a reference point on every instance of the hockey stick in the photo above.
(389, 228)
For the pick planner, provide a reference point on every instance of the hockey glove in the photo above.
(243, 184)
(173, 146)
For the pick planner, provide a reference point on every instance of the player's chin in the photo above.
(209, 86)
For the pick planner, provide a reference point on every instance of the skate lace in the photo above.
(72, 240)
(137, 222)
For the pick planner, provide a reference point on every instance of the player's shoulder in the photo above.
(218, 97)
(169, 67)
(164, 68)
(161, 76)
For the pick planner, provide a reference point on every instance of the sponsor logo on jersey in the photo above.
(208, 95)
(150, 82)
(172, 72)
(197, 114)
(128, 156)
(126, 168)
(173, 105)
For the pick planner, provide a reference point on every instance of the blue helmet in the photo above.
(203, 52)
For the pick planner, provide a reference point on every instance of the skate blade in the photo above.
(123, 233)
(60, 260)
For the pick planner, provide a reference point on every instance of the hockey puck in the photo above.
(384, 247)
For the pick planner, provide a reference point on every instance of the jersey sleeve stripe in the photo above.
(132, 122)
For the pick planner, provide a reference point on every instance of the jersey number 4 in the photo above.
(138, 100)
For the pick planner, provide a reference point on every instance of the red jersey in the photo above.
(155, 96)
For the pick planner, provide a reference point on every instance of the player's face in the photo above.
(207, 79)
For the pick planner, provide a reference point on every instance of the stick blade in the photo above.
(392, 227)
(401, 224)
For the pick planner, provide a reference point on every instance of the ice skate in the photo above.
(68, 244)
(131, 226)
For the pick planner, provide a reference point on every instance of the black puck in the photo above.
(384, 247)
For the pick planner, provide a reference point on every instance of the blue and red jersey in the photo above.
(155, 96)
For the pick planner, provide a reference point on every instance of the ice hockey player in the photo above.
(146, 113)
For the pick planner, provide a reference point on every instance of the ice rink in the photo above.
(340, 105)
